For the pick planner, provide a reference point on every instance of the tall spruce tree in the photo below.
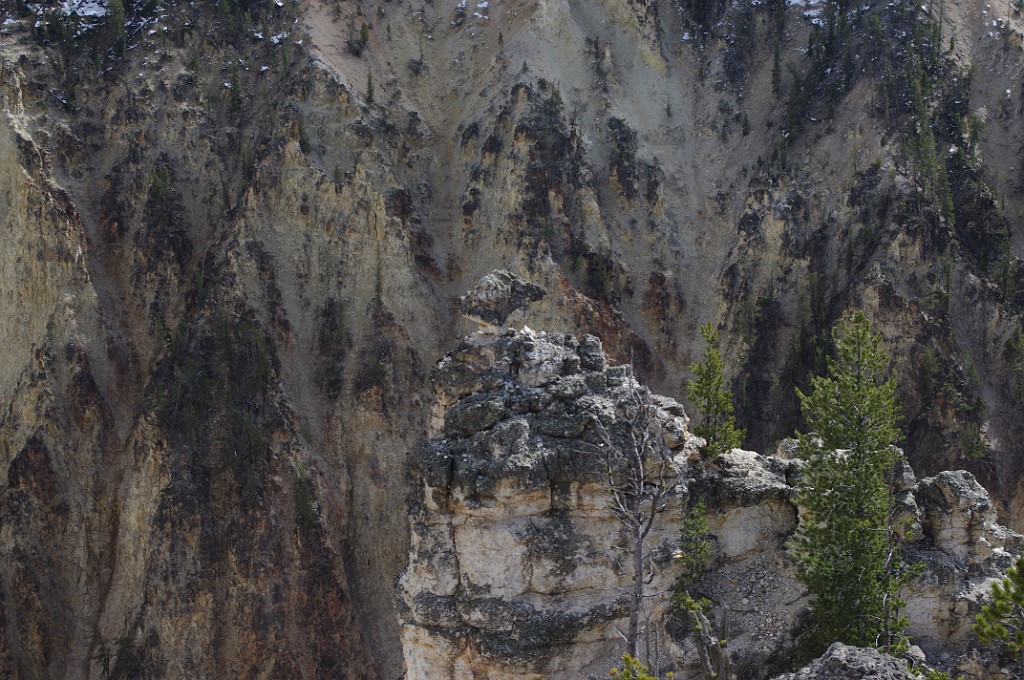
(847, 548)
(713, 400)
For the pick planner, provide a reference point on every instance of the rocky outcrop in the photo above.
(952, 534)
(963, 549)
(517, 560)
(842, 662)
(497, 296)
(518, 568)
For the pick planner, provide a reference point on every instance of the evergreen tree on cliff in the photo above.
(846, 548)
(1003, 619)
(713, 400)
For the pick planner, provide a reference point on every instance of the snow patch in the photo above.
(85, 8)
(812, 10)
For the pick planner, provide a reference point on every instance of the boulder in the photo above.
(496, 296)
(842, 662)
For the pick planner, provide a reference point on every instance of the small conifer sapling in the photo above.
(711, 397)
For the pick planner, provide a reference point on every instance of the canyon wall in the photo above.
(236, 234)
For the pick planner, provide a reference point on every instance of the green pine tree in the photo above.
(846, 548)
(1003, 620)
(694, 548)
(713, 400)
(116, 21)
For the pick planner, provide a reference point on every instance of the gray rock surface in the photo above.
(516, 568)
(963, 550)
(842, 662)
(498, 295)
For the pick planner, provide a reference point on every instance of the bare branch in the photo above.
(640, 479)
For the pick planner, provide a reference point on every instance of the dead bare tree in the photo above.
(640, 480)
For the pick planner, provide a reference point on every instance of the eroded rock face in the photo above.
(518, 568)
(758, 601)
(964, 549)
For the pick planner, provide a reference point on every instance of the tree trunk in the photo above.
(633, 636)
(713, 658)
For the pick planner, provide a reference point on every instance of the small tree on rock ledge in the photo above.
(1003, 619)
(713, 400)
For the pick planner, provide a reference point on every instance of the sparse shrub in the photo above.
(332, 347)
(356, 45)
(119, 663)
(304, 145)
(374, 373)
(244, 450)
(633, 670)
(116, 21)
(694, 548)
(971, 441)
(305, 496)
(1014, 355)
(600, 269)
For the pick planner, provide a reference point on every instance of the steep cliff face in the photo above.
(55, 503)
(518, 567)
(160, 507)
(235, 234)
(761, 167)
